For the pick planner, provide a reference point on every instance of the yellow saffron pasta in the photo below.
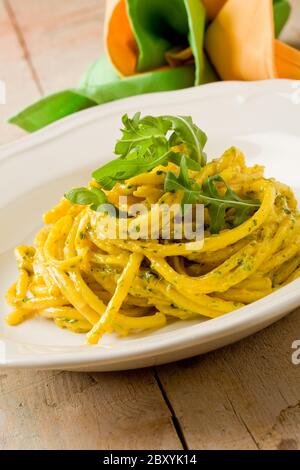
(91, 284)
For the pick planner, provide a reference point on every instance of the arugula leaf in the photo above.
(140, 135)
(186, 132)
(209, 195)
(143, 134)
(218, 204)
(147, 142)
(191, 191)
(122, 169)
(93, 197)
(191, 164)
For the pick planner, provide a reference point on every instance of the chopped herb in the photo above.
(93, 197)
(68, 320)
(148, 275)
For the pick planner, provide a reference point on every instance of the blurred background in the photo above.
(45, 45)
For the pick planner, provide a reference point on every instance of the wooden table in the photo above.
(245, 396)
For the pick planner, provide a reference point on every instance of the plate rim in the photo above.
(211, 329)
(86, 116)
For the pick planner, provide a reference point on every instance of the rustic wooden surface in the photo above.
(245, 396)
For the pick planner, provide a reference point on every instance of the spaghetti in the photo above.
(94, 285)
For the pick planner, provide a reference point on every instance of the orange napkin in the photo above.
(158, 45)
(239, 41)
(287, 61)
(119, 40)
(241, 45)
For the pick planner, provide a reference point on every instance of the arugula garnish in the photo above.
(141, 135)
(187, 133)
(209, 195)
(93, 197)
(147, 142)
(124, 168)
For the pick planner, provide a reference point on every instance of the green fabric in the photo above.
(196, 19)
(282, 10)
(158, 25)
(64, 103)
(50, 109)
(99, 72)
(149, 82)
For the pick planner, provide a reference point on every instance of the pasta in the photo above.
(96, 285)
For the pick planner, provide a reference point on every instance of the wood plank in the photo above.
(245, 396)
(21, 89)
(64, 410)
(63, 38)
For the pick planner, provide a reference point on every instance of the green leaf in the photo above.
(68, 320)
(209, 195)
(191, 164)
(139, 135)
(143, 135)
(281, 11)
(182, 182)
(186, 132)
(218, 204)
(124, 168)
(50, 109)
(64, 103)
(93, 197)
(147, 142)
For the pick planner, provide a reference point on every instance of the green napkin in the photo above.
(282, 10)
(158, 26)
(94, 90)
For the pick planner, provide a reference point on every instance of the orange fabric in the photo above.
(178, 56)
(240, 41)
(120, 43)
(287, 61)
(213, 7)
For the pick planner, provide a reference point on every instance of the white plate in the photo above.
(262, 118)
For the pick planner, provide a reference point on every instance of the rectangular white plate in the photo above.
(261, 118)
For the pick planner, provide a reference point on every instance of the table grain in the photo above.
(244, 396)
